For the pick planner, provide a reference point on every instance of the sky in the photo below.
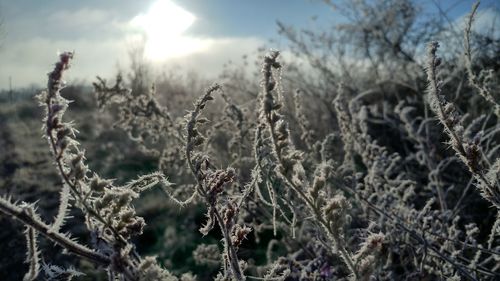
(192, 35)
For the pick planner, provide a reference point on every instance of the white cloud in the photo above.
(209, 63)
(101, 41)
(82, 17)
(29, 61)
(488, 20)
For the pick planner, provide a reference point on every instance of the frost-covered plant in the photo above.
(143, 118)
(371, 192)
(482, 82)
(467, 150)
(109, 216)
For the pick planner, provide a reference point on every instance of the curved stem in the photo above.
(315, 210)
(20, 214)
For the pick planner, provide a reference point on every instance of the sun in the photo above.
(164, 26)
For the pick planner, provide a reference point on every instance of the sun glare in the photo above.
(164, 25)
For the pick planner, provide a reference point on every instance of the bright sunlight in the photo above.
(164, 25)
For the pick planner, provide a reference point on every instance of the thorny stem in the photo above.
(317, 213)
(474, 80)
(457, 144)
(91, 211)
(190, 126)
(54, 86)
(56, 237)
(231, 252)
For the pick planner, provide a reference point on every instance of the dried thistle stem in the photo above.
(194, 139)
(268, 106)
(32, 221)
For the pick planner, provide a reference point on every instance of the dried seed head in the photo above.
(98, 185)
(239, 234)
(335, 212)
